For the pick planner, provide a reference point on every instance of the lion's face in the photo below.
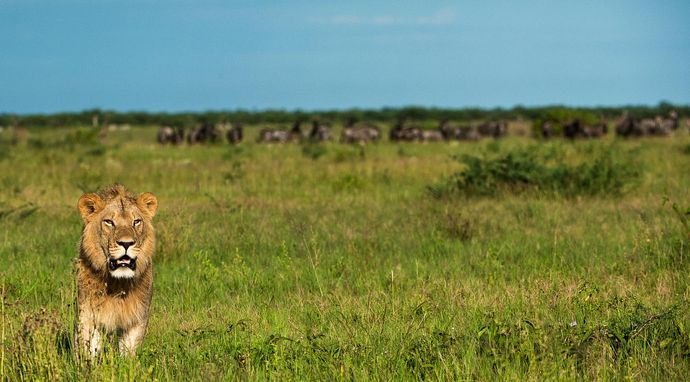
(118, 234)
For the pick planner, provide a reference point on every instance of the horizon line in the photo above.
(353, 108)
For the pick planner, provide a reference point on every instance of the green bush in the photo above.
(313, 150)
(535, 169)
(686, 149)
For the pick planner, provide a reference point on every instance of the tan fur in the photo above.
(115, 224)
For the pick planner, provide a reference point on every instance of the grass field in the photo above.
(340, 262)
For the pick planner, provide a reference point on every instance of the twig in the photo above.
(648, 323)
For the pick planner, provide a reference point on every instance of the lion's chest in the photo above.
(111, 304)
(120, 311)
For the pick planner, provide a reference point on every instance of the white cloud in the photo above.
(386, 20)
(442, 16)
(342, 20)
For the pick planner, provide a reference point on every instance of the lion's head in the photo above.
(118, 235)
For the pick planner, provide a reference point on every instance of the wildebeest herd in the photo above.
(632, 127)
(404, 131)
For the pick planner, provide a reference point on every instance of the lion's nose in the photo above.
(126, 244)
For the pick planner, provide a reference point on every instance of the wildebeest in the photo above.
(235, 134)
(281, 135)
(362, 133)
(432, 135)
(546, 130)
(273, 136)
(296, 131)
(634, 127)
(447, 130)
(207, 132)
(167, 134)
(468, 133)
(670, 123)
(401, 132)
(320, 131)
(630, 127)
(578, 129)
(459, 133)
(494, 129)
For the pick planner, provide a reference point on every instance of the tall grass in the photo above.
(275, 262)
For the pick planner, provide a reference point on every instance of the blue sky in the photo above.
(198, 55)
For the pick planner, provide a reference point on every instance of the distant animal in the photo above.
(448, 131)
(468, 133)
(404, 133)
(114, 270)
(577, 129)
(207, 132)
(273, 136)
(494, 129)
(235, 134)
(281, 135)
(596, 131)
(669, 124)
(633, 127)
(458, 133)
(432, 135)
(167, 134)
(320, 131)
(628, 127)
(19, 135)
(360, 133)
(546, 130)
(296, 131)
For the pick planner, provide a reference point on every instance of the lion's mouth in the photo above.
(122, 262)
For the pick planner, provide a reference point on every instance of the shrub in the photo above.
(537, 170)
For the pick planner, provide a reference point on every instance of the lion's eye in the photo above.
(109, 222)
(137, 222)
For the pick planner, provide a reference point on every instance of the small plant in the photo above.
(458, 227)
(682, 213)
(96, 150)
(350, 154)
(403, 152)
(686, 149)
(313, 150)
(615, 323)
(349, 182)
(233, 152)
(235, 173)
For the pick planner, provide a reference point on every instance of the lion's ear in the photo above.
(89, 205)
(148, 202)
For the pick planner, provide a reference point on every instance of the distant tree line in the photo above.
(186, 119)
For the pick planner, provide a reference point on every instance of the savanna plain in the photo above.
(510, 259)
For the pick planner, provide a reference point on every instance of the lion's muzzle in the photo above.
(123, 261)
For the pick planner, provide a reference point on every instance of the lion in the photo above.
(114, 270)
